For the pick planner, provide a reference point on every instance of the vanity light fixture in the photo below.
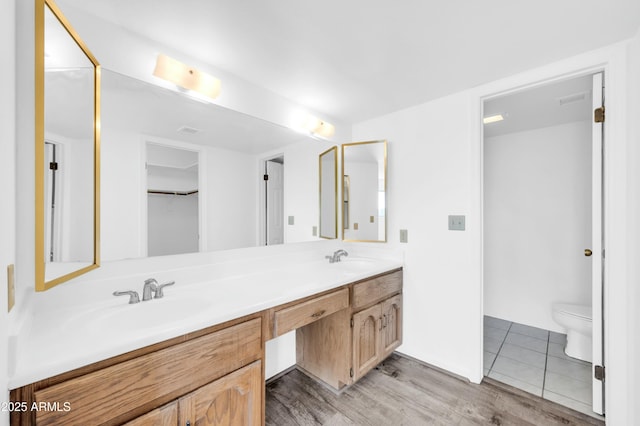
(319, 128)
(492, 119)
(186, 77)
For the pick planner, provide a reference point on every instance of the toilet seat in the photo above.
(580, 311)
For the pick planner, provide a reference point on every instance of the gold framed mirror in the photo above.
(364, 186)
(328, 178)
(67, 151)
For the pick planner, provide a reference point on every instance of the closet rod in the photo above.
(154, 191)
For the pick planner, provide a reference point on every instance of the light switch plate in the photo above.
(371, 219)
(456, 223)
(290, 220)
(404, 238)
(314, 231)
(355, 226)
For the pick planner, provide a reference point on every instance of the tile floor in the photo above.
(533, 359)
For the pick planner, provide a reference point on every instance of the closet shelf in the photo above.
(161, 192)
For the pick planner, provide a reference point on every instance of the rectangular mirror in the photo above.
(236, 206)
(67, 150)
(364, 177)
(328, 169)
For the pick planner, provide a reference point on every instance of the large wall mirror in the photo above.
(233, 206)
(328, 170)
(364, 183)
(66, 151)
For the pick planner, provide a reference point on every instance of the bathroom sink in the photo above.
(355, 264)
(152, 314)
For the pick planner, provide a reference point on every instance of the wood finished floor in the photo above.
(402, 391)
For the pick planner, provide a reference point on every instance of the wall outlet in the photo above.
(456, 223)
(11, 287)
(290, 220)
(314, 231)
(404, 237)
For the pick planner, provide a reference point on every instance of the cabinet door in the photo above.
(391, 325)
(235, 399)
(366, 340)
(163, 416)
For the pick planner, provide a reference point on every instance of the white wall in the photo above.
(435, 170)
(229, 194)
(172, 224)
(428, 179)
(537, 222)
(301, 183)
(7, 181)
(363, 200)
(633, 190)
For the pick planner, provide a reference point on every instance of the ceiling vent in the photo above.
(576, 97)
(188, 130)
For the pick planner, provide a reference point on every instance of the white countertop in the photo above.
(66, 336)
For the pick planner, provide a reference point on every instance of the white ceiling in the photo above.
(359, 59)
(142, 108)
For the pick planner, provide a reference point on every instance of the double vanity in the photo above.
(199, 351)
(181, 338)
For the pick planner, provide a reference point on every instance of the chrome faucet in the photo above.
(133, 296)
(149, 285)
(336, 257)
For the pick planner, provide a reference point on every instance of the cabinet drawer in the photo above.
(307, 312)
(115, 393)
(376, 289)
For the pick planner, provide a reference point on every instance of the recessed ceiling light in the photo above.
(493, 119)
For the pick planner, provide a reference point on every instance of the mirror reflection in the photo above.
(223, 154)
(70, 76)
(329, 193)
(364, 170)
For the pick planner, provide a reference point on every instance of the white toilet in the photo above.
(576, 319)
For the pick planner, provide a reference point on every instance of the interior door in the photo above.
(275, 202)
(597, 243)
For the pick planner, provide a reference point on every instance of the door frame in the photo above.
(262, 198)
(604, 207)
(202, 189)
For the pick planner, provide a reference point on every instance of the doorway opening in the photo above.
(172, 199)
(542, 241)
(273, 197)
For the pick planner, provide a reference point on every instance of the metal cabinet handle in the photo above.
(588, 252)
(380, 327)
(159, 292)
(384, 321)
(133, 295)
(319, 313)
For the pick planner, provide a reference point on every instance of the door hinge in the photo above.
(351, 372)
(53, 165)
(266, 177)
(351, 322)
(598, 372)
(598, 115)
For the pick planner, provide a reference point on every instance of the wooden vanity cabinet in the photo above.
(234, 399)
(212, 378)
(215, 376)
(343, 347)
(377, 332)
